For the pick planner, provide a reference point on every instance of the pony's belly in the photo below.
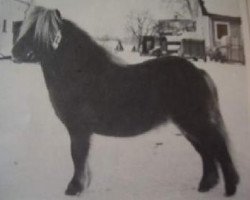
(127, 127)
(121, 132)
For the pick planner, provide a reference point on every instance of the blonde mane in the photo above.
(47, 24)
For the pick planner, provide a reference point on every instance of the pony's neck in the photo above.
(83, 48)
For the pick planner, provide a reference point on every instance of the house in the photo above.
(218, 21)
(11, 12)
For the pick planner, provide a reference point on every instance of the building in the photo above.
(11, 11)
(218, 22)
(220, 25)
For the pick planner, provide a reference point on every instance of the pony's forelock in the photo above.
(46, 24)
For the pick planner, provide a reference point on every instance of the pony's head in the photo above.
(40, 33)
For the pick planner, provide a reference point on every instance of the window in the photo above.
(4, 26)
(221, 29)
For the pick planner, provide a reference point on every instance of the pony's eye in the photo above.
(30, 54)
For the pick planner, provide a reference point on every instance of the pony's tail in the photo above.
(213, 104)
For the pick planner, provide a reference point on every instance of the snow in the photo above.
(35, 162)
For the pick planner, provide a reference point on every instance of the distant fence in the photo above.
(192, 48)
(230, 50)
(188, 48)
(235, 54)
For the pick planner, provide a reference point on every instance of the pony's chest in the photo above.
(70, 94)
(71, 103)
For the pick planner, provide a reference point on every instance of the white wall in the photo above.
(203, 28)
(206, 29)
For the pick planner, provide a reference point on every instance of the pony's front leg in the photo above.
(80, 143)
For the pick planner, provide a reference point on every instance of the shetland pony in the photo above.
(91, 93)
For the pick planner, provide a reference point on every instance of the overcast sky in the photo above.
(103, 16)
(100, 17)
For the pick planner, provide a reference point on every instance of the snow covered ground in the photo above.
(35, 162)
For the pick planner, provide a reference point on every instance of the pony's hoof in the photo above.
(231, 184)
(208, 183)
(231, 187)
(74, 189)
(230, 190)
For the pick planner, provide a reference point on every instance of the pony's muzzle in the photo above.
(14, 57)
(15, 60)
(27, 57)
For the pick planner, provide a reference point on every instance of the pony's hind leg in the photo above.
(209, 168)
(221, 151)
(230, 174)
(210, 174)
(207, 136)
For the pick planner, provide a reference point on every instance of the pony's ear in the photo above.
(57, 40)
(58, 35)
(58, 14)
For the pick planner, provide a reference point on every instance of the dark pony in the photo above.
(91, 93)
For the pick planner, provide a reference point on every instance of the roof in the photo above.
(175, 20)
(227, 8)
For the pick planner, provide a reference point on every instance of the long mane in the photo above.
(46, 23)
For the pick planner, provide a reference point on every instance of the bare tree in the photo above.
(159, 27)
(140, 23)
